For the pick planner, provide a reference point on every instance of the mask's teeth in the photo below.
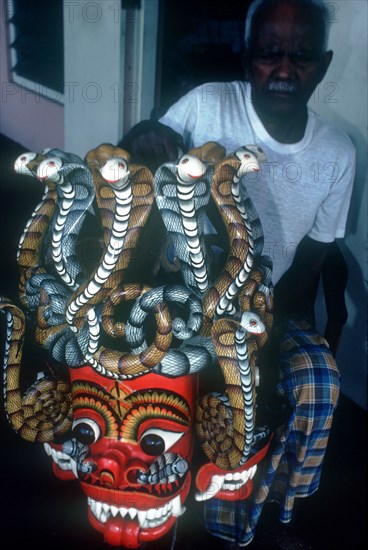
(142, 514)
(253, 471)
(132, 512)
(98, 509)
(114, 510)
(176, 507)
(123, 511)
(73, 466)
(47, 448)
(229, 482)
(61, 459)
(213, 488)
(146, 518)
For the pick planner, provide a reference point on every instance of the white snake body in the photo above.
(251, 221)
(247, 384)
(121, 219)
(182, 192)
(76, 194)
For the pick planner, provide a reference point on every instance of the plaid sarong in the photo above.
(310, 379)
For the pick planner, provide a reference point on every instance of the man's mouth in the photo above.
(147, 519)
(282, 88)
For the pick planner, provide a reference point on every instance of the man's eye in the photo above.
(275, 56)
(155, 442)
(303, 57)
(269, 57)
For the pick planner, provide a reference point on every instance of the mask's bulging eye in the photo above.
(86, 431)
(155, 442)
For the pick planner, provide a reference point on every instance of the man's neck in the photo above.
(283, 127)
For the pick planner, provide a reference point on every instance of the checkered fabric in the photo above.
(310, 379)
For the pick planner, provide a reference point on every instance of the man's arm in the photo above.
(297, 288)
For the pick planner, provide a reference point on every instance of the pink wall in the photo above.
(26, 117)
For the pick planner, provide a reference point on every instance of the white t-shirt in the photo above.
(302, 188)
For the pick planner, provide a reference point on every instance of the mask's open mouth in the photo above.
(214, 482)
(147, 519)
(230, 482)
(133, 518)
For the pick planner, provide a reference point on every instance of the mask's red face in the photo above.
(131, 448)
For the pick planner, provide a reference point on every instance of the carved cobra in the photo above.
(225, 423)
(68, 195)
(29, 255)
(44, 413)
(124, 194)
(167, 468)
(182, 192)
(46, 280)
(244, 232)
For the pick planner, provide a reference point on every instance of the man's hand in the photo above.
(152, 144)
(297, 289)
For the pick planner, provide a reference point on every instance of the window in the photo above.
(36, 45)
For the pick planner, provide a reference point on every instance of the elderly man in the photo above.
(301, 194)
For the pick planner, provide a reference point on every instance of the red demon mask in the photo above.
(131, 448)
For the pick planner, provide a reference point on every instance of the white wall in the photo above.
(342, 98)
(110, 58)
(93, 63)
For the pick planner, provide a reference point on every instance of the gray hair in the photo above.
(259, 4)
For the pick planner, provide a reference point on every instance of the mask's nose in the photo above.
(116, 469)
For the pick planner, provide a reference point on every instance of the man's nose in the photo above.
(285, 68)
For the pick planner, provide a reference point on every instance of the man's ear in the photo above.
(325, 63)
(246, 65)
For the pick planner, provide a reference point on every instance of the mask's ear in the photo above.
(325, 63)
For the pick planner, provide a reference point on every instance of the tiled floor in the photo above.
(40, 511)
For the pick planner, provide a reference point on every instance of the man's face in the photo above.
(286, 59)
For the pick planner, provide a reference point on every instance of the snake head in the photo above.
(248, 161)
(49, 170)
(21, 164)
(115, 171)
(252, 323)
(190, 168)
(257, 151)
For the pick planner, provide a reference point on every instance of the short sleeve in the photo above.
(331, 216)
(182, 116)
